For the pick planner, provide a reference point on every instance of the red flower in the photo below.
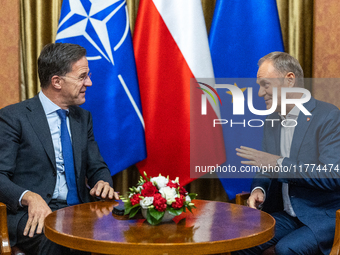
(173, 184)
(159, 202)
(182, 191)
(135, 199)
(179, 202)
(148, 189)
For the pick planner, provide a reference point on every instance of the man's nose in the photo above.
(261, 92)
(88, 82)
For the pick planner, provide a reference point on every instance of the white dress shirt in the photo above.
(286, 137)
(54, 122)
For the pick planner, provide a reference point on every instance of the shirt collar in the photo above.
(48, 105)
(294, 113)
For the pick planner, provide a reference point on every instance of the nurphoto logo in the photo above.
(238, 103)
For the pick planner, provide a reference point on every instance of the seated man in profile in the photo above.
(48, 150)
(304, 200)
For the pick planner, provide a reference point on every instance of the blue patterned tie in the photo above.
(72, 195)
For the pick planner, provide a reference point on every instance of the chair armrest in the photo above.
(5, 247)
(241, 198)
(336, 244)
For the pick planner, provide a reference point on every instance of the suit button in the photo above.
(54, 173)
(49, 195)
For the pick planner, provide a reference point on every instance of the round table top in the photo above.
(214, 227)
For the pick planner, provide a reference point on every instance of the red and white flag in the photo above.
(171, 48)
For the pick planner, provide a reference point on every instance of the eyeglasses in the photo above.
(80, 79)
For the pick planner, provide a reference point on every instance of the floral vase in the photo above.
(166, 218)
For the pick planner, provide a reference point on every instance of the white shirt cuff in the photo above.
(260, 189)
(279, 161)
(22, 196)
(264, 196)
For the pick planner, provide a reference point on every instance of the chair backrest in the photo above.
(336, 243)
(241, 198)
(5, 247)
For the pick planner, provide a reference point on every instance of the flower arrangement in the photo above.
(158, 196)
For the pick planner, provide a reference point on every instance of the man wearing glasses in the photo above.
(48, 150)
(302, 201)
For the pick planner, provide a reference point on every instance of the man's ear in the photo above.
(290, 79)
(56, 82)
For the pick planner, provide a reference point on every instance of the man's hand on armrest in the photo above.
(37, 212)
(256, 199)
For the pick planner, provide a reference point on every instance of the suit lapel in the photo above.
(301, 128)
(75, 127)
(37, 118)
(273, 145)
(277, 137)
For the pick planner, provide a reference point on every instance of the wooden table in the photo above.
(214, 227)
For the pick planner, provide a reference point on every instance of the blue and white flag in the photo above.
(102, 28)
(241, 33)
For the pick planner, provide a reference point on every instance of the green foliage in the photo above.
(129, 209)
(154, 217)
(146, 177)
(134, 211)
(156, 214)
(175, 212)
(192, 196)
(190, 207)
(141, 181)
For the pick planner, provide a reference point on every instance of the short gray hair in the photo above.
(285, 63)
(57, 59)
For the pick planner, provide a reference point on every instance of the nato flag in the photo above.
(102, 28)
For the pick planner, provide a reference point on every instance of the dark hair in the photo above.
(57, 59)
(285, 63)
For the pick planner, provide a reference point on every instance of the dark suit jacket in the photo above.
(315, 195)
(27, 159)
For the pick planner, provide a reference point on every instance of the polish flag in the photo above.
(172, 51)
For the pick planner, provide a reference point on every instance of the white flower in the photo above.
(169, 194)
(187, 199)
(160, 181)
(146, 202)
(139, 189)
